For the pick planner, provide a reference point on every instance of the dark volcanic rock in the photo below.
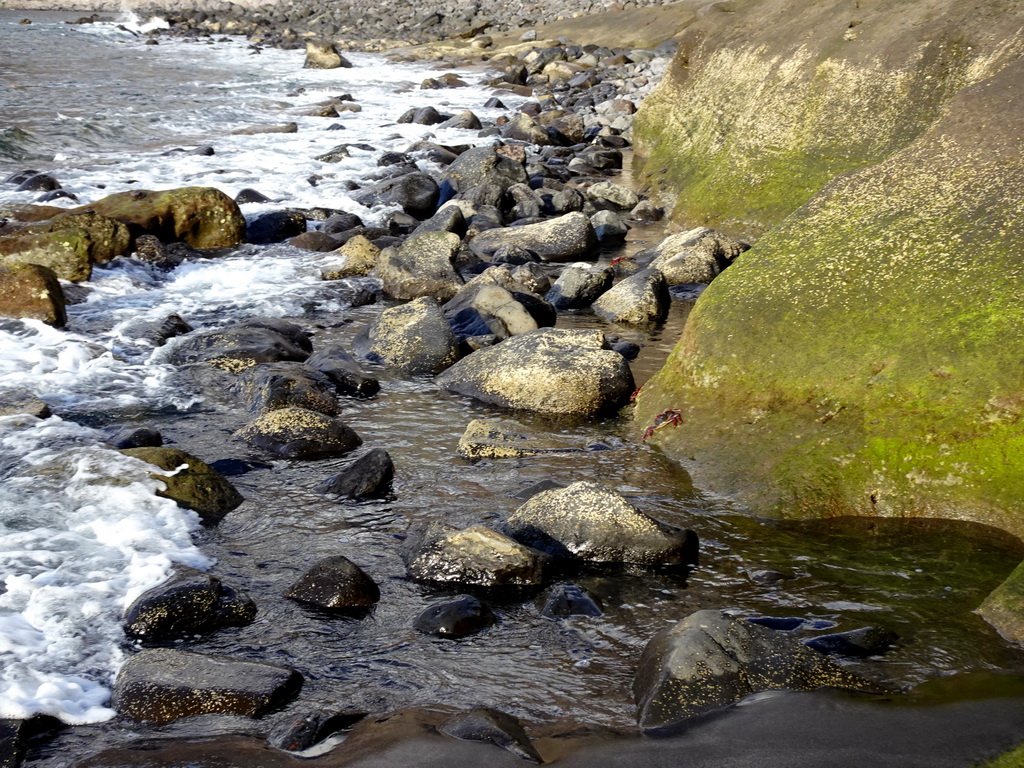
(299, 734)
(189, 603)
(295, 433)
(708, 661)
(344, 371)
(368, 476)
(274, 227)
(483, 166)
(569, 600)
(579, 286)
(465, 615)
(335, 583)
(415, 193)
(196, 487)
(160, 685)
(865, 641)
(237, 347)
(589, 522)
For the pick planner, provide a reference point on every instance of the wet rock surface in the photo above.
(337, 584)
(708, 661)
(493, 727)
(477, 556)
(190, 482)
(189, 603)
(456, 618)
(160, 685)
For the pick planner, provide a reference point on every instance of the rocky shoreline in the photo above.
(485, 256)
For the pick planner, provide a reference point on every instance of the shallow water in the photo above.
(82, 533)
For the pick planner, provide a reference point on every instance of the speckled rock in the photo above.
(32, 291)
(413, 337)
(269, 386)
(360, 259)
(335, 583)
(22, 401)
(483, 166)
(548, 370)
(491, 726)
(614, 195)
(474, 557)
(462, 616)
(105, 237)
(587, 521)
(237, 347)
(505, 439)
(695, 256)
(321, 54)
(65, 252)
(708, 661)
(197, 487)
(189, 603)
(421, 266)
(640, 299)
(203, 217)
(565, 238)
(160, 685)
(295, 433)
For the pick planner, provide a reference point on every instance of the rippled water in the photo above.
(101, 121)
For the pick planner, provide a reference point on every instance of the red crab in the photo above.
(672, 416)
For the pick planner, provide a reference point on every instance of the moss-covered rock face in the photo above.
(867, 355)
(203, 217)
(765, 103)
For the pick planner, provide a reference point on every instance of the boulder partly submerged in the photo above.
(187, 604)
(708, 661)
(414, 338)
(190, 482)
(550, 371)
(477, 556)
(587, 521)
(296, 433)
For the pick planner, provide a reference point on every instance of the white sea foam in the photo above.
(82, 534)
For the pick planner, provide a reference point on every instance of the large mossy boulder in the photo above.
(203, 217)
(551, 371)
(866, 356)
(191, 483)
(708, 661)
(160, 685)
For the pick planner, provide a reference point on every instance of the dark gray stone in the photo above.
(342, 369)
(335, 583)
(286, 384)
(369, 476)
(189, 603)
(465, 615)
(492, 727)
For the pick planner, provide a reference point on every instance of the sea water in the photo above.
(82, 532)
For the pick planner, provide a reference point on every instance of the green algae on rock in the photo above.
(764, 105)
(866, 356)
(1004, 608)
(196, 486)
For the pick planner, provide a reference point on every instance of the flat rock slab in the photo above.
(161, 684)
(708, 661)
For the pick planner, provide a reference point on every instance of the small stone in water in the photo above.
(462, 616)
